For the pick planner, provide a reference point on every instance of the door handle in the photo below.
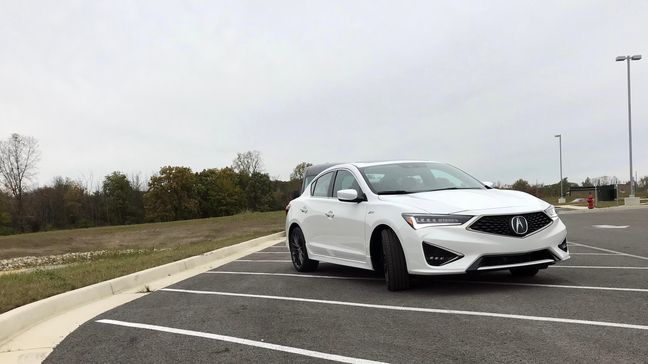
(304, 210)
(329, 214)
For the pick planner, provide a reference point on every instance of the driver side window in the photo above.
(344, 180)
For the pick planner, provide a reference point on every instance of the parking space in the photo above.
(593, 307)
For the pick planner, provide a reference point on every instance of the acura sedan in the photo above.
(420, 218)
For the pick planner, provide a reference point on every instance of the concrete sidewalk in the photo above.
(35, 343)
(564, 209)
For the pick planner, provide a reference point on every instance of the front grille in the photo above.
(495, 260)
(501, 224)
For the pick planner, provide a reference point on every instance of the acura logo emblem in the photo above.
(519, 225)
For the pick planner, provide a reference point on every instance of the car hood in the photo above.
(473, 202)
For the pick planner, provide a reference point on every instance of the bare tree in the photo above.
(136, 181)
(643, 182)
(249, 162)
(18, 158)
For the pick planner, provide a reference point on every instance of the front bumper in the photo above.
(476, 246)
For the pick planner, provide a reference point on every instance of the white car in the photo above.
(420, 218)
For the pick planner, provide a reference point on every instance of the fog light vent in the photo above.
(563, 245)
(437, 256)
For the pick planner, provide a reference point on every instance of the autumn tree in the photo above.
(5, 215)
(218, 192)
(259, 192)
(59, 206)
(522, 185)
(18, 158)
(137, 198)
(120, 199)
(299, 170)
(171, 195)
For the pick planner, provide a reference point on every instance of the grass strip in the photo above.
(140, 236)
(17, 289)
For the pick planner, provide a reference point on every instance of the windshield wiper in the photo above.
(394, 192)
(455, 188)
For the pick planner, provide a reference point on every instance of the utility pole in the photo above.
(632, 200)
(562, 195)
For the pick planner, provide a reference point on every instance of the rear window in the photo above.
(322, 186)
(307, 180)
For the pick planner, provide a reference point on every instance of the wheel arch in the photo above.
(375, 246)
(292, 227)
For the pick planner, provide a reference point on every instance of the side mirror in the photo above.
(488, 184)
(348, 195)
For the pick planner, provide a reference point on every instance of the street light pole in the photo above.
(628, 59)
(562, 195)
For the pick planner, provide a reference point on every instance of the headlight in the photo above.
(418, 221)
(551, 212)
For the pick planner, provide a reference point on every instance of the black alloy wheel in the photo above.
(298, 252)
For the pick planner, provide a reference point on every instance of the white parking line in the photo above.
(552, 286)
(419, 309)
(611, 226)
(294, 275)
(286, 252)
(264, 260)
(596, 288)
(236, 340)
(570, 253)
(553, 266)
(596, 267)
(610, 251)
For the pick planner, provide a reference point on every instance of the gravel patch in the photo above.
(20, 263)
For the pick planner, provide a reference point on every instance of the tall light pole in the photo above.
(628, 59)
(562, 196)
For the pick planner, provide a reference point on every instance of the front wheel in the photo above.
(395, 266)
(298, 252)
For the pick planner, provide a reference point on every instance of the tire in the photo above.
(524, 271)
(396, 276)
(298, 253)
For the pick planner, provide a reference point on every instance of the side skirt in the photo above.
(347, 262)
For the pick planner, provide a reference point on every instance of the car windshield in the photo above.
(405, 178)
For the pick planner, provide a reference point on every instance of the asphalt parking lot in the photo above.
(592, 308)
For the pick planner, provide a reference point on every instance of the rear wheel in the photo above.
(524, 271)
(395, 266)
(298, 252)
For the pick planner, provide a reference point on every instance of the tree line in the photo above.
(553, 190)
(173, 193)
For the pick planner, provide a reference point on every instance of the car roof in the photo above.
(377, 163)
(319, 168)
(314, 170)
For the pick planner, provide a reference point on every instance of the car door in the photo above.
(347, 220)
(316, 226)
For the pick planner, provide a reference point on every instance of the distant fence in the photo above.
(602, 193)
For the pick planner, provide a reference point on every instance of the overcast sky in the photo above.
(484, 85)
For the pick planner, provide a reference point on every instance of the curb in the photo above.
(18, 320)
(603, 209)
